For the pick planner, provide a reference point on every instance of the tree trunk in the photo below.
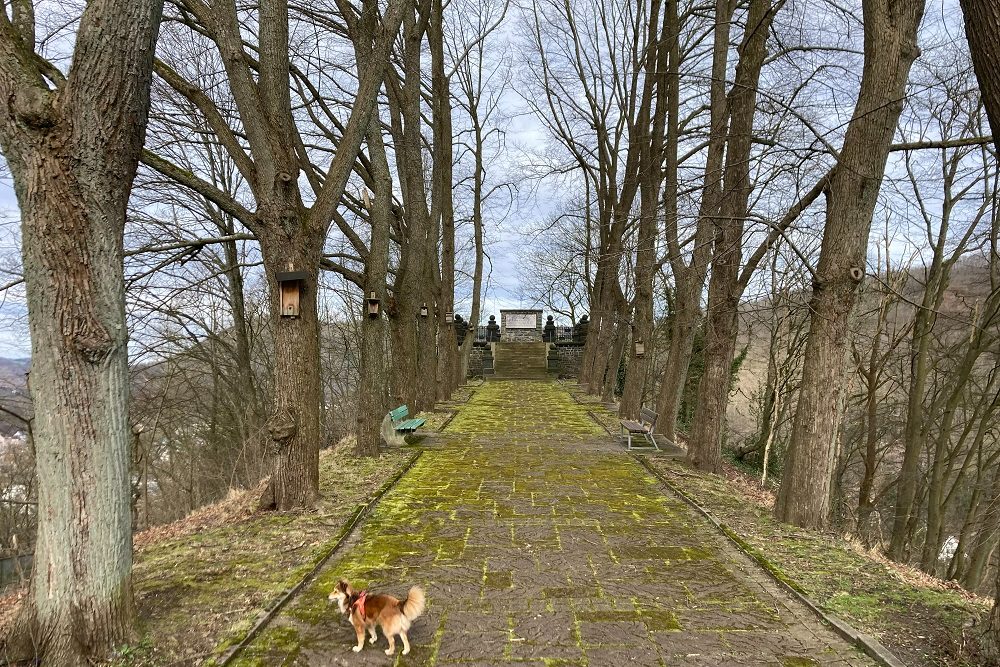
(477, 224)
(890, 48)
(651, 178)
(705, 445)
(982, 28)
(73, 153)
(294, 425)
(447, 350)
(616, 348)
(373, 381)
(683, 327)
(689, 278)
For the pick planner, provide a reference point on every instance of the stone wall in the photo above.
(480, 360)
(565, 358)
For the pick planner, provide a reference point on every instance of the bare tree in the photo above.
(890, 47)
(264, 141)
(72, 141)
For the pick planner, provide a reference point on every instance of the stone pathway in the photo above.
(539, 542)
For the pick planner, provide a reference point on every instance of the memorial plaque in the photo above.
(521, 321)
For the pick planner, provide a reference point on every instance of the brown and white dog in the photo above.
(366, 611)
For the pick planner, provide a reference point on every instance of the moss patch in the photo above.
(923, 626)
(195, 590)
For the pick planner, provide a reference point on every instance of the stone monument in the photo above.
(524, 326)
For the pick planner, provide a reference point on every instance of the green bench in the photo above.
(396, 426)
(401, 423)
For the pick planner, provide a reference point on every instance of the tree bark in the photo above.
(982, 29)
(651, 178)
(73, 152)
(373, 381)
(890, 48)
(689, 278)
(447, 350)
(705, 444)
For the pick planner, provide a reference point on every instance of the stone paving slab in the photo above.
(540, 542)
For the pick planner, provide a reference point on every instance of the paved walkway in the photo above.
(539, 542)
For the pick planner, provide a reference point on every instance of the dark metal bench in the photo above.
(642, 428)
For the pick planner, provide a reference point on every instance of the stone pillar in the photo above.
(492, 330)
(580, 330)
(549, 332)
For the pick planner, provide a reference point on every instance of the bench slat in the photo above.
(410, 424)
(647, 416)
(633, 426)
(399, 413)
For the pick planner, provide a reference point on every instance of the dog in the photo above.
(366, 611)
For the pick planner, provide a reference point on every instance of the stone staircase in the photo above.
(521, 361)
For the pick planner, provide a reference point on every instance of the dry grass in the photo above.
(923, 620)
(238, 505)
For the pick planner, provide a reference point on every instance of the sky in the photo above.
(506, 238)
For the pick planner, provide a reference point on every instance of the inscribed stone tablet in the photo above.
(521, 321)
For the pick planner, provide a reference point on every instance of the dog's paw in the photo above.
(356, 649)
(373, 639)
(389, 651)
(406, 650)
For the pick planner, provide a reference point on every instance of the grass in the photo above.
(921, 624)
(203, 586)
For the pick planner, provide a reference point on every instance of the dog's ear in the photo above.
(344, 586)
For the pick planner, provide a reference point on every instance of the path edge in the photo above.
(268, 615)
(872, 647)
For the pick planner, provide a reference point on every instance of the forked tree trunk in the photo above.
(724, 291)
(653, 113)
(73, 153)
(890, 48)
(689, 278)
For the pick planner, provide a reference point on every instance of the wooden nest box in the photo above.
(290, 291)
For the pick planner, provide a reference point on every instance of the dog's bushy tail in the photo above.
(413, 605)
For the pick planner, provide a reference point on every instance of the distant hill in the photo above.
(969, 284)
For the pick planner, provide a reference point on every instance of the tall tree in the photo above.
(890, 45)
(72, 142)
(263, 140)
(724, 289)
(982, 29)
(658, 96)
(689, 275)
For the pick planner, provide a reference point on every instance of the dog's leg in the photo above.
(359, 629)
(392, 645)
(406, 642)
(371, 631)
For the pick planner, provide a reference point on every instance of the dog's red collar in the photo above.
(359, 604)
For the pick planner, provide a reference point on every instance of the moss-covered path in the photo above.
(539, 542)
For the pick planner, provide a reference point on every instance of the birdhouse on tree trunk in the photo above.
(290, 291)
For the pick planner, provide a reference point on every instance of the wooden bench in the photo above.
(643, 428)
(396, 426)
